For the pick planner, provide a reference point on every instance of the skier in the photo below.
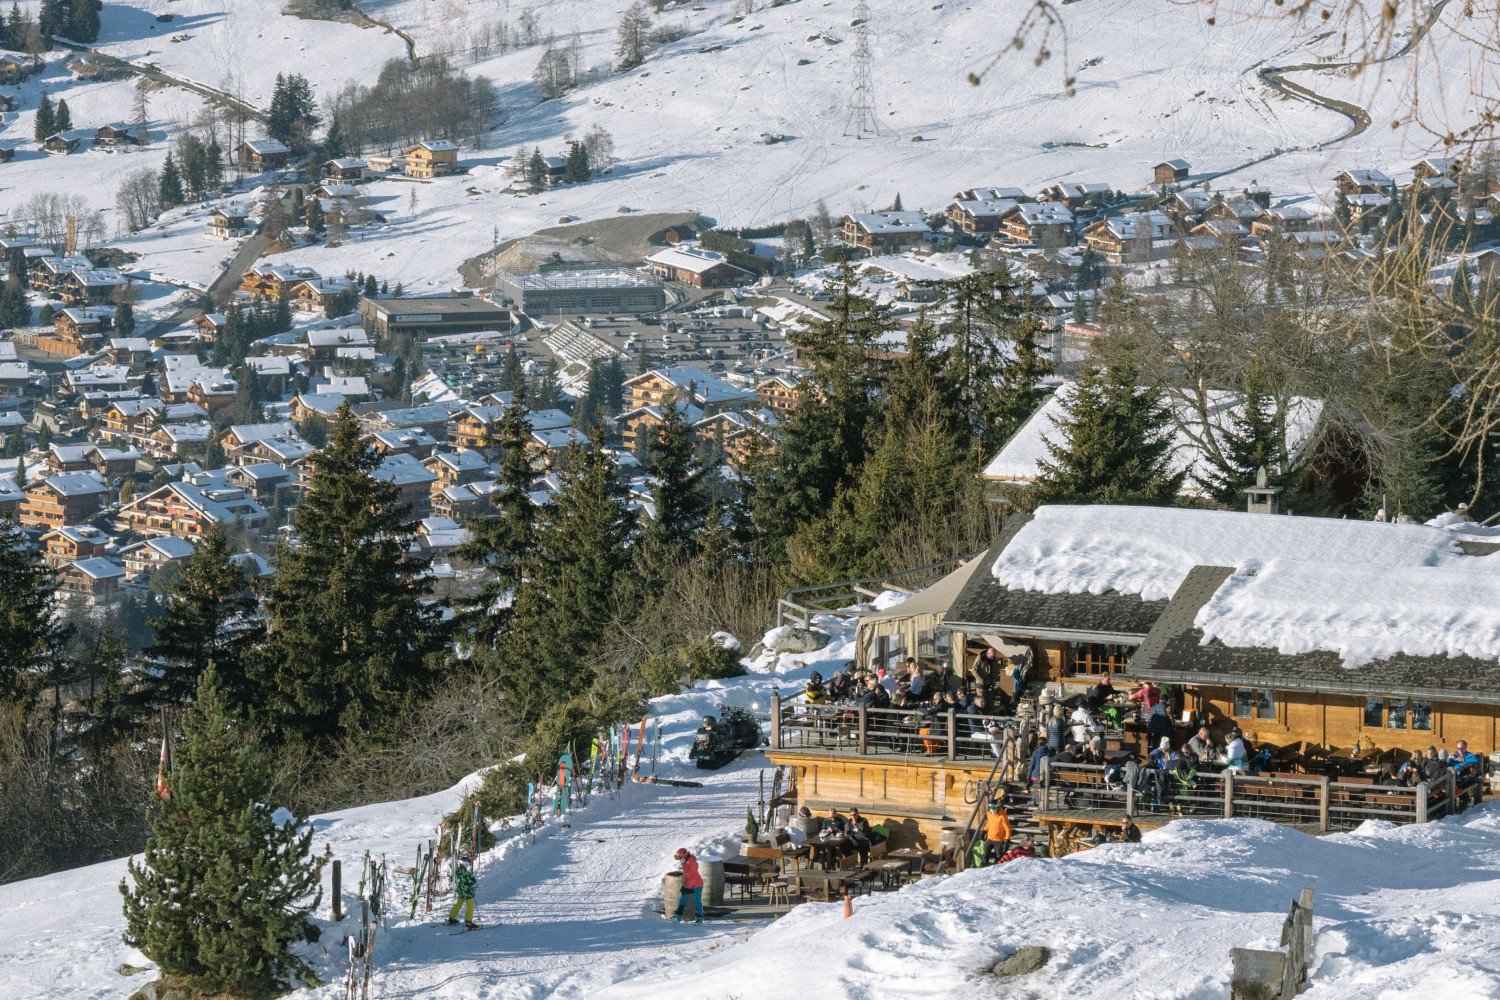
(692, 885)
(463, 892)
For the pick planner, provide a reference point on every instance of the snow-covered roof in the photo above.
(891, 223)
(438, 146)
(1174, 164)
(99, 568)
(1019, 460)
(705, 386)
(265, 147)
(694, 260)
(1148, 551)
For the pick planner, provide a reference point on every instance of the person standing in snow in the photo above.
(463, 892)
(692, 885)
(996, 832)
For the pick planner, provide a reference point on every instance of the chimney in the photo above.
(1260, 498)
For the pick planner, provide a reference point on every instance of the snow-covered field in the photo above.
(1401, 911)
(1153, 80)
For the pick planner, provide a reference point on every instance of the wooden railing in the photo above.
(801, 604)
(854, 729)
(1306, 801)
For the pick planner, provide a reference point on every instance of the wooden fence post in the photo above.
(1229, 794)
(338, 890)
(1421, 802)
(1130, 798)
(952, 735)
(864, 730)
(776, 720)
(1324, 794)
(1450, 779)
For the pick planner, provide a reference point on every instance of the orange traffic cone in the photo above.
(848, 905)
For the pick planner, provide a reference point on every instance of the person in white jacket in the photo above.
(1083, 724)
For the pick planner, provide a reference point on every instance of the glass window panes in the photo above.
(1244, 703)
(925, 644)
(1397, 717)
(943, 644)
(1374, 713)
(1421, 715)
(1265, 704)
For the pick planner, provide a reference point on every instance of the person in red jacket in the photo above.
(1026, 849)
(692, 885)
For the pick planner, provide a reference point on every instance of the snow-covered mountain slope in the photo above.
(1153, 80)
(1401, 911)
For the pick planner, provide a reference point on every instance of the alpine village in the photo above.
(747, 498)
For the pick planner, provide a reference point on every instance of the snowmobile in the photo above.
(721, 740)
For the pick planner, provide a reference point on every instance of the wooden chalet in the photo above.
(94, 581)
(1170, 172)
(89, 286)
(1279, 627)
(119, 134)
(70, 498)
(547, 445)
(979, 216)
(1077, 195)
(229, 223)
(435, 158)
(708, 392)
(272, 282)
(64, 544)
(16, 67)
(191, 509)
(780, 392)
(637, 424)
(1128, 239)
(348, 168)
(1047, 225)
(262, 154)
(697, 267)
(83, 329)
(148, 556)
(60, 145)
(1351, 182)
(884, 232)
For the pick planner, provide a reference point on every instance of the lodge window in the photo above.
(1254, 703)
(1100, 658)
(1413, 715)
(934, 644)
(886, 651)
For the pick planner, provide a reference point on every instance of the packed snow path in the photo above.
(576, 910)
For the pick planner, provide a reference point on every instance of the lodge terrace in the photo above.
(1338, 648)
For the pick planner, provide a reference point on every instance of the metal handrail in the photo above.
(800, 604)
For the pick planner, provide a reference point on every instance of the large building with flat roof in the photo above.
(612, 290)
(434, 316)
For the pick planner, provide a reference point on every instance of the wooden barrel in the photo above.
(671, 892)
(713, 882)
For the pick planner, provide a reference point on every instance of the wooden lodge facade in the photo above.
(1328, 723)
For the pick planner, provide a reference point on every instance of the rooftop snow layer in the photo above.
(1149, 550)
(1020, 459)
(1363, 613)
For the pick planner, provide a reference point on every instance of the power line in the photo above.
(860, 120)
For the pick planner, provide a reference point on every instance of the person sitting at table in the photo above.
(829, 842)
(996, 832)
(1069, 754)
(1093, 751)
(1202, 745)
(1467, 765)
(861, 837)
(841, 684)
(916, 683)
(1236, 757)
(884, 679)
(978, 716)
(1387, 775)
(875, 696)
(816, 693)
(1082, 723)
(1025, 849)
(1100, 695)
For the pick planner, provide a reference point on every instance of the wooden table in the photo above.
(796, 855)
(747, 872)
(1067, 828)
(826, 883)
(827, 850)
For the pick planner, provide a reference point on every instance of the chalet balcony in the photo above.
(847, 730)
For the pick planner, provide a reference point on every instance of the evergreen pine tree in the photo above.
(896, 205)
(370, 288)
(124, 319)
(315, 215)
(16, 266)
(15, 308)
(1114, 445)
(43, 128)
(83, 20)
(502, 540)
(15, 27)
(209, 616)
(576, 169)
(1343, 213)
(824, 440)
(223, 888)
(679, 496)
(1021, 391)
(571, 584)
(62, 120)
(349, 630)
(512, 379)
(1254, 439)
(32, 636)
(536, 170)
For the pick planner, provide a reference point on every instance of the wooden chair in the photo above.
(778, 891)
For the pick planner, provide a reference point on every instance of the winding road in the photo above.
(1275, 77)
(150, 71)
